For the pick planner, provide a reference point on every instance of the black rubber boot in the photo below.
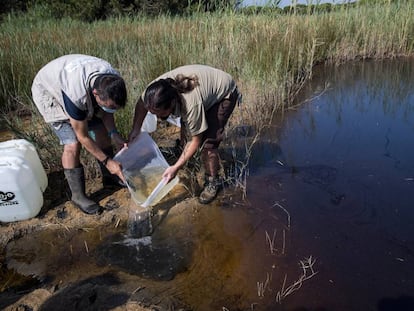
(76, 181)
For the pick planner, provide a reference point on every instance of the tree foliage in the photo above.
(7, 6)
(89, 10)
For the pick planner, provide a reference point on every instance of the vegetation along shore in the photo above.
(270, 52)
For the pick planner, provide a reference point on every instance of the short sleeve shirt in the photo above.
(214, 86)
(61, 89)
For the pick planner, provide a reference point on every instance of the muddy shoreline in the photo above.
(90, 291)
(84, 287)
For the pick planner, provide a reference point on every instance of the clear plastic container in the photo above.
(143, 165)
(20, 195)
(23, 149)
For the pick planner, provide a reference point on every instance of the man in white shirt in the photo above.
(77, 96)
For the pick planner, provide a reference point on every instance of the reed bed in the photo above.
(270, 55)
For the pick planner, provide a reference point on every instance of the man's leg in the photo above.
(71, 155)
(73, 169)
(217, 118)
(99, 134)
(212, 182)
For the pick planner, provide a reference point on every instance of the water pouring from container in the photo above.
(143, 166)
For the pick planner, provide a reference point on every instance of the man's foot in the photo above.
(211, 188)
(76, 180)
(88, 206)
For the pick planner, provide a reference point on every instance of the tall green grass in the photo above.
(270, 55)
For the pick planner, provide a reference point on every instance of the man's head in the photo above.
(110, 92)
(161, 98)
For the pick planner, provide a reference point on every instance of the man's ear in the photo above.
(95, 92)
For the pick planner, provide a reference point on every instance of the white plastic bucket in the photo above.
(143, 165)
(23, 149)
(20, 195)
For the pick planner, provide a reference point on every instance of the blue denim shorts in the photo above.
(66, 134)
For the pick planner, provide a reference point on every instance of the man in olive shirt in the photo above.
(204, 98)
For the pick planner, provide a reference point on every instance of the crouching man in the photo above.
(77, 96)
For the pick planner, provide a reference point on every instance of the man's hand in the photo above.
(114, 167)
(170, 173)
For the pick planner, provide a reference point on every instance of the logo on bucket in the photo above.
(6, 198)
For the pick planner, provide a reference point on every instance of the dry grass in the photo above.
(308, 271)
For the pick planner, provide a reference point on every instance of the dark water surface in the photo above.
(348, 184)
(327, 223)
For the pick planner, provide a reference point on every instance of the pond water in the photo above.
(326, 223)
(348, 184)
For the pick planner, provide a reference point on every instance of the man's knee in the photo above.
(72, 150)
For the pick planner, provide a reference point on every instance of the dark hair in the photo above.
(164, 94)
(111, 86)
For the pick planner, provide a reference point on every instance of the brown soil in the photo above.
(58, 213)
